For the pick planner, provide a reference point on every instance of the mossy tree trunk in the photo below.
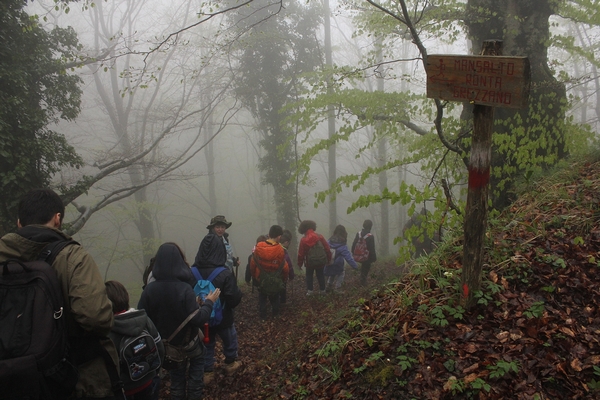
(523, 26)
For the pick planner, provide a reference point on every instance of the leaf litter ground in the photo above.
(535, 333)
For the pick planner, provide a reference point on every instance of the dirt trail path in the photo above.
(267, 348)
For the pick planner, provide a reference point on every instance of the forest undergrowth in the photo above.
(534, 334)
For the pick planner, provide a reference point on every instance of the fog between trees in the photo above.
(167, 91)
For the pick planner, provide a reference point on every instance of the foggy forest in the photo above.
(151, 117)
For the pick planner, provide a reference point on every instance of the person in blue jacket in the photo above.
(335, 272)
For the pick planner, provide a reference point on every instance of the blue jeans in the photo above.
(155, 385)
(229, 338)
(320, 278)
(335, 281)
(193, 379)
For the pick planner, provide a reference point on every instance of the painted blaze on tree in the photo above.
(486, 80)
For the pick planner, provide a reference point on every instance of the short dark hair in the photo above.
(306, 225)
(275, 231)
(117, 294)
(368, 224)
(261, 238)
(286, 236)
(38, 206)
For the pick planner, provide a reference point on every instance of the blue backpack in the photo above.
(203, 287)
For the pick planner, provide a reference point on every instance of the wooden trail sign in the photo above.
(487, 80)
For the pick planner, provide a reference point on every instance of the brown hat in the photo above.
(219, 219)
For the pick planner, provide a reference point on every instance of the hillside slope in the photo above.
(535, 333)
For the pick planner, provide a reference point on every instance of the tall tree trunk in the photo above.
(209, 154)
(384, 235)
(145, 225)
(332, 176)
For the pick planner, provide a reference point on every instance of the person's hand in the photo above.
(213, 296)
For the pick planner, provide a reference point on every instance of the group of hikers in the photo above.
(64, 333)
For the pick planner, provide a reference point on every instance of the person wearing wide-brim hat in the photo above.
(218, 220)
(206, 261)
(218, 225)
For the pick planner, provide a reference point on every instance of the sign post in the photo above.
(488, 81)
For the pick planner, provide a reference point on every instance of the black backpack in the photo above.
(138, 356)
(34, 359)
(316, 257)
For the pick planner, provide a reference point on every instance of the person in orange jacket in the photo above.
(269, 259)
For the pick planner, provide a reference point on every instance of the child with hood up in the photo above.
(211, 255)
(168, 301)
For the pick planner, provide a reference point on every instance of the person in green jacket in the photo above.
(88, 310)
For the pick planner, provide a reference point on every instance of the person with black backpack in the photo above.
(363, 250)
(82, 315)
(140, 347)
(314, 254)
(211, 259)
(270, 270)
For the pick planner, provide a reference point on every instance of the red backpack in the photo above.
(361, 252)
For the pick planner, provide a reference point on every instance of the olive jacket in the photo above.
(89, 314)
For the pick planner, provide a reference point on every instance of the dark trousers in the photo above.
(320, 278)
(283, 295)
(262, 304)
(145, 394)
(364, 272)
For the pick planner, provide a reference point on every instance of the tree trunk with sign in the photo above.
(524, 28)
(475, 223)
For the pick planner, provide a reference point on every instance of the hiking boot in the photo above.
(232, 367)
(208, 377)
(309, 293)
(322, 293)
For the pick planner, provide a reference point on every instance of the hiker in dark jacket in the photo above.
(130, 322)
(365, 266)
(335, 272)
(249, 278)
(422, 242)
(212, 254)
(218, 225)
(168, 301)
